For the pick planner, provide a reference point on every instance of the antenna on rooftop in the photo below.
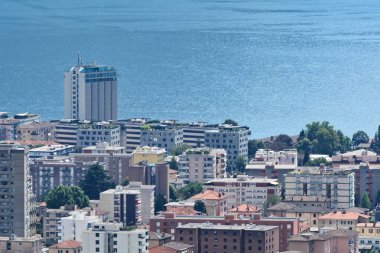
(79, 59)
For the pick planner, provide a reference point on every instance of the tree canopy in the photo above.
(230, 122)
(173, 164)
(189, 190)
(199, 206)
(66, 195)
(178, 150)
(240, 164)
(253, 146)
(125, 182)
(172, 193)
(282, 142)
(304, 148)
(96, 181)
(317, 162)
(159, 203)
(359, 137)
(365, 202)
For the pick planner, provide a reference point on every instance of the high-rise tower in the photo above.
(91, 92)
(18, 209)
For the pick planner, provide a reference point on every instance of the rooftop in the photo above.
(67, 245)
(209, 195)
(246, 208)
(343, 215)
(208, 225)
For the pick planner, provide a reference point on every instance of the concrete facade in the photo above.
(92, 133)
(162, 136)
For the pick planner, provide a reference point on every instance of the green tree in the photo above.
(253, 146)
(66, 195)
(96, 181)
(304, 148)
(317, 162)
(271, 201)
(228, 166)
(365, 203)
(199, 206)
(178, 150)
(282, 142)
(159, 203)
(172, 193)
(240, 164)
(230, 122)
(173, 164)
(375, 144)
(125, 182)
(189, 190)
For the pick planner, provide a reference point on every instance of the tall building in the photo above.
(110, 237)
(91, 92)
(18, 208)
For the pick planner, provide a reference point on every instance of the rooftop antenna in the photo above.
(79, 59)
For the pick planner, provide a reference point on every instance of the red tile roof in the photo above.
(209, 195)
(343, 216)
(246, 208)
(66, 245)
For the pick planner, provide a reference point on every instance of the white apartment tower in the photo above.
(91, 92)
(18, 209)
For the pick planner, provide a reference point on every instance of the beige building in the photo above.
(215, 202)
(342, 220)
(66, 247)
(20, 245)
(18, 207)
(149, 154)
(103, 148)
(37, 131)
(201, 165)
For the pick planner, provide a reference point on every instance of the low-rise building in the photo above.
(104, 236)
(103, 148)
(37, 131)
(245, 210)
(369, 234)
(173, 247)
(20, 244)
(244, 189)
(130, 133)
(66, 132)
(181, 208)
(326, 242)
(123, 205)
(158, 239)
(9, 124)
(66, 247)
(89, 134)
(226, 238)
(337, 185)
(201, 165)
(51, 150)
(215, 202)
(149, 154)
(342, 220)
(73, 226)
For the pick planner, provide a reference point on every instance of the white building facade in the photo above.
(73, 226)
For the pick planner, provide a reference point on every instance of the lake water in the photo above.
(273, 65)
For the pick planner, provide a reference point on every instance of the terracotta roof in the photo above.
(209, 195)
(245, 208)
(369, 225)
(343, 216)
(282, 206)
(66, 245)
(181, 210)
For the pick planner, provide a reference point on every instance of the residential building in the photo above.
(194, 133)
(9, 124)
(37, 131)
(51, 172)
(245, 210)
(51, 150)
(244, 189)
(66, 132)
(162, 136)
(130, 133)
(201, 165)
(168, 222)
(149, 154)
(336, 241)
(52, 223)
(287, 156)
(342, 220)
(103, 148)
(369, 234)
(104, 236)
(158, 239)
(215, 202)
(207, 237)
(337, 185)
(147, 199)
(356, 157)
(73, 226)
(181, 208)
(233, 139)
(18, 206)
(66, 247)
(173, 247)
(91, 92)
(123, 205)
(309, 201)
(92, 133)
(15, 244)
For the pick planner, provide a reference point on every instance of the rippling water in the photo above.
(273, 65)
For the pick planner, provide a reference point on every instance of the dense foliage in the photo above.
(66, 195)
(359, 137)
(253, 146)
(199, 206)
(180, 149)
(159, 203)
(230, 122)
(189, 190)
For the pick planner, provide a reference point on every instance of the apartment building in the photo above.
(51, 172)
(130, 133)
(194, 133)
(207, 237)
(162, 136)
(201, 165)
(15, 244)
(18, 206)
(90, 92)
(66, 247)
(149, 154)
(123, 205)
(233, 139)
(369, 234)
(51, 150)
(92, 133)
(72, 226)
(168, 222)
(173, 247)
(37, 131)
(342, 220)
(110, 237)
(337, 185)
(66, 132)
(9, 124)
(215, 202)
(244, 189)
(103, 148)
